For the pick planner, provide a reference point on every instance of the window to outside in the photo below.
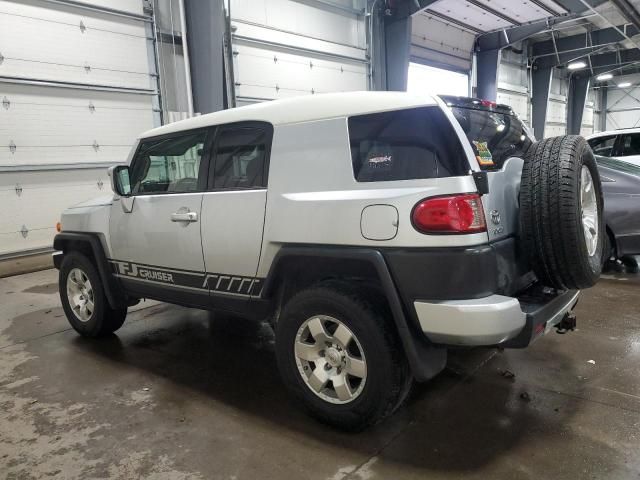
(423, 79)
(603, 145)
(168, 165)
(630, 144)
(405, 145)
(494, 136)
(240, 157)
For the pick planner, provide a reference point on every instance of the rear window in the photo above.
(405, 145)
(494, 136)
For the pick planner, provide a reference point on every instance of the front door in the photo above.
(155, 234)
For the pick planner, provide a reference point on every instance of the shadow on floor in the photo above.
(455, 422)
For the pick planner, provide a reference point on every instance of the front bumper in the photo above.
(495, 319)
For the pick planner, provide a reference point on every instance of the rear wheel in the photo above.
(83, 298)
(339, 356)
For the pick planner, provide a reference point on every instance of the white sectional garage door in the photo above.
(71, 105)
(283, 48)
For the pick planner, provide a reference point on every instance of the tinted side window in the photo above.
(630, 144)
(603, 145)
(168, 165)
(405, 145)
(241, 157)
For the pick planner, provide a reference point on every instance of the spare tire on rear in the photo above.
(561, 224)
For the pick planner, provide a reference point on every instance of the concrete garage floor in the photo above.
(178, 394)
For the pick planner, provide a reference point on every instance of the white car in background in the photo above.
(623, 144)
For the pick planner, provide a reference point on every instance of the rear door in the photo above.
(233, 211)
(499, 140)
(155, 233)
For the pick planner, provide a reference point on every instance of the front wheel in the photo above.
(83, 299)
(340, 357)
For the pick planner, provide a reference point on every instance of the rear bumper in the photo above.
(495, 319)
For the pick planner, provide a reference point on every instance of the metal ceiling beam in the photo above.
(628, 11)
(507, 36)
(608, 59)
(582, 42)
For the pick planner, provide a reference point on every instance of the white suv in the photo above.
(623, 144)
(372, 229)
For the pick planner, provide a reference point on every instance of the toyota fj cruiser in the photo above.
(372, 229)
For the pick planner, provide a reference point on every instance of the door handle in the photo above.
(184, 217)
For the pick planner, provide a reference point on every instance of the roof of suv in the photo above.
(302, 109)
(614, 132)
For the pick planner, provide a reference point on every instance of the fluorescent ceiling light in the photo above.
(624, 84)
(576, 65)
(604, 76)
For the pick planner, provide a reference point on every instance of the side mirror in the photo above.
(120, 180)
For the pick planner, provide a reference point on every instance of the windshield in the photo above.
(494, 136)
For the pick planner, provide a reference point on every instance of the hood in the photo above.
(95, 202)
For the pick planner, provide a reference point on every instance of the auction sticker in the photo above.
(484, 156)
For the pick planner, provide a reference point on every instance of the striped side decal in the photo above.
(216, 283)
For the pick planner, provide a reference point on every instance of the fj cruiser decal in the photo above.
(215, 282)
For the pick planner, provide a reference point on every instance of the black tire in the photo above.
(388, 378)
(551, 226)
(103, 319)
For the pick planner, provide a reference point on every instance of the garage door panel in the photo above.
(557, 112)
(519, 102)
(63, 155)
(304, 18)
(276, 73)
(75, 74)
(64, 15)
(55, 189)
(69, 126)
(60, 125)
(60, 52)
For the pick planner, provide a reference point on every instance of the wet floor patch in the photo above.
(46, 289)
(180, 394)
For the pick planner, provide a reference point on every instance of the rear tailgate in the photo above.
(499, 141)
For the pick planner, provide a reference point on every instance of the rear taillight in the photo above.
(488, 103)
(449, 214)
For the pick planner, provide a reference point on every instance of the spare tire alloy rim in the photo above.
(80, 294)
(330, 359)
(589, 206)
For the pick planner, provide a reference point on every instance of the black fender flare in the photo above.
(65, 241)
(425, 359)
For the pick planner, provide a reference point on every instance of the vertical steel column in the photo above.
(578, 89)
(397, 42)
(205, 36)
(541, 84)
(602, 126)
(487, 64)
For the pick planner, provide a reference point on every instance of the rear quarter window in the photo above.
(405, 145)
